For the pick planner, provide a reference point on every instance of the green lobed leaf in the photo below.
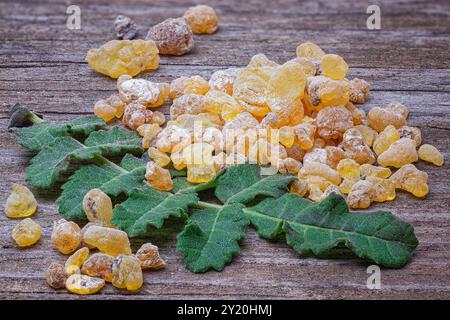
(210, 239)
(83, 126)
(149, 207)
(110, 179)
(318, 228)
(41, 134)
(241, 184)
(54, 159)
(115, 141)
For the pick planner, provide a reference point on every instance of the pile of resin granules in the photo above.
(299, 118)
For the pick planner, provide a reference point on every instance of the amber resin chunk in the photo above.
(107, 240)
(119, 57)
(82, 284)
(66, 236)
(127, 273)
(201, 19)
(26, 232)
(21, 202)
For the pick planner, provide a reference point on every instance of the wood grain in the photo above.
(42, 65)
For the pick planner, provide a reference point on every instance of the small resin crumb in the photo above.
(56, 276)
(125, 28)
(148, 255)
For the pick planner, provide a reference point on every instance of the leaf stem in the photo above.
(34, 118)
(106, 160)
(112, 164)
(206, 205)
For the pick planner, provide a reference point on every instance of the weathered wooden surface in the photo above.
(42, 65)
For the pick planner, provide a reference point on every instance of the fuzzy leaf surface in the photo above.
(317, 228)
(149, 207)
(41, 134)
(54, 159)
(111, 180)
(211, 237)
(243, 183)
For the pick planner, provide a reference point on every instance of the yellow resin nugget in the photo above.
(127, 272)
(82, 284)
(26, 233)
(76, 260)
(107, 240)
(431, 154)
(119, 57)
(20, 203)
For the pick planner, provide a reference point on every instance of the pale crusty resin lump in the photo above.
(148, 131)
(148, 255)
(147, 93)
(371, 170)
(332, 122)
(310, 50)
(322, 92)
(399, 153)
(160, 158)
(359, 90)
(223, 80)
(172, 37)
(385, 139)
(21, 203)
(196, 85)
(349, 169)
(136, 115)
(116, 58)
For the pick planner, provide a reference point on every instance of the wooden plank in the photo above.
(411, 49)
(42, 65)
(59, 76)
(318, 15)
